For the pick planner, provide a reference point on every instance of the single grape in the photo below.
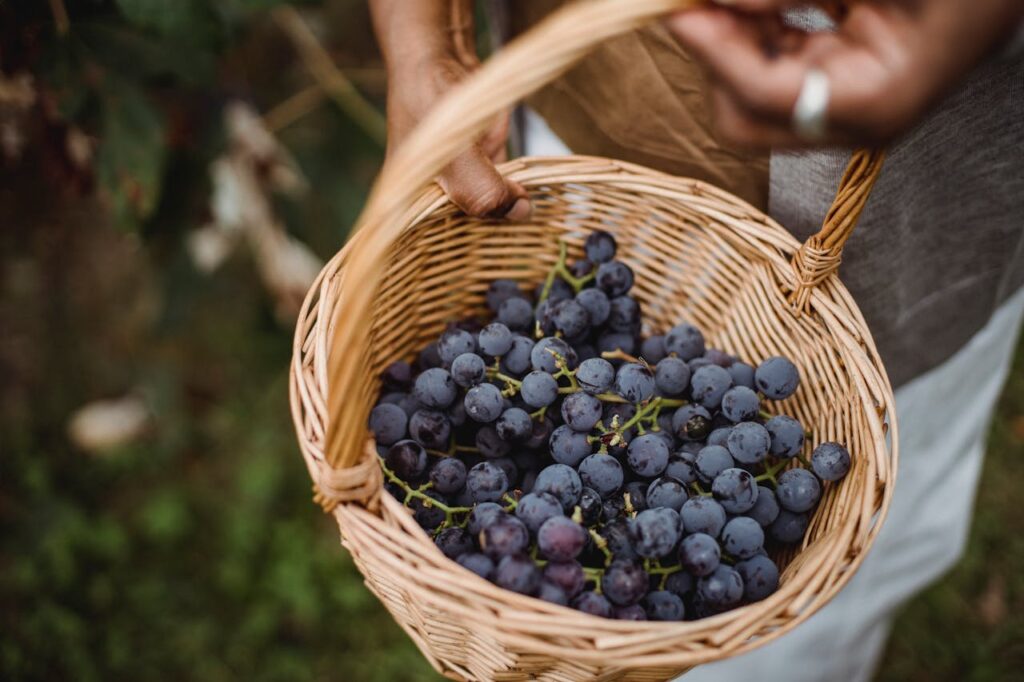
(786, 435)
(560, 290)
(616, 341)
(722, 588)
(742, 537)
(593, 603)
(435, 388)
(454, 542)
(760, 577)
(614, 278)
(599, 246)
(736, 490)
(663, 605)
(431, 428)
(518, 573)
(581, 268)
(671, 376)
(407, 459)
(505, 537)
(428, 358)
(516, 313)
(388, 423)
(514, 425)
(742, 374)
(509, 467)
(561, 539)
(637, 492)
(517, 360)
(749, 443)
(490, 444)
(552, 593)
(448, 475)
(590, 506)
(633, 612)
(495, 339)
(703, 515)
(543, 355)
(468, 370)
(686, 341)
(542, 429)
(680, 469)
(478, 563)
(569, 446)
(539, 389)
(571, 318)
(597, 305)
(581, 411)
(711, 461)
(740, 404)
(709, 384)
(766, 509)
(719, 436)
(656, 532)
(486, 482)
(397, 376)
(483, 515)
(624, 582)
(680, 583)
(568, 575)
(536, 508)
(777, 378)
(666, 492)
(602, 473)
(453, 343)
(699, 554)
(789, 527)
(647, 455)
(561, 481)
(830, 461)
(428, 515)
(613, 508)
(798, 490)
(634, 382)
(501, 290)
(624, 314)
(484, 403)
(653, 349)
(595, 375)
(697, 363)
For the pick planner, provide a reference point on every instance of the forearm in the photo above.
(412, 31)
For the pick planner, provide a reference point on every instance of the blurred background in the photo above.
(173, 174)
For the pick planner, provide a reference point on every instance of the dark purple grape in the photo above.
(560, 290)
(777, 378)
(428, 358)
(740, 404)
(653, 349)
(742, 537)
(666, 492)
(736, 490)
(656, 532)
(581, 411)
(711, 461)
(680, 583)
(830, 461)
(552, 593)
(454, 542)
(514, 425)
(709, 384)
(691, 422)
(760, 577)
(697, 363)
(680, 469)
(486, 482)
(786, 435)
(448, 475)
(478, 563)
(633, 612)
(516, 313)
(748, 443)
(593, 603)
(798, 490)
(509, 467)
(483, 515)
(637, 491)
(789, 527)
(490, 444)
(571, 318)
(634, 382)
(703, 515)
(388, 423)
(672, 376)
(624, 314)
(495, 339)
(561, 539)
(468, 370)
(540, 434)
(581, 268)
(561, 481)
(597, 305)
(720, 436)
(431, 428)
(722, 588)
(569, 446)
(507, 536)
(742, 374)
(407, 459)
(568, 575)
(618, 414)
(699, 554)
(624, 582)
(539, 389)
(484, 403)
(614, 278)
(453, 343)
(518, 573)
(595, 375)
(685, 341)
(397, 376)
(616, 341)
(544, 353)
(766, 509)
(719, 357)
(647, 455)
(663, 605)
(536, 508)
(602, 473)
(435, 388)
(517, 361)
(613, 508)
(429, 516)
(501, 290)
(590, 506)
(599, 246)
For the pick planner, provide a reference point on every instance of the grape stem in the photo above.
(561, 269)
(428, 501)
(619, 354)
(769, 474)
(602, 545)
(700, 491)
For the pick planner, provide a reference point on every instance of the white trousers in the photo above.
(943, 420)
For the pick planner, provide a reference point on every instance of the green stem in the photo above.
(602, 545)
(410, 493)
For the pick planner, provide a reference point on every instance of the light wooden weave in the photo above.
(699, 255)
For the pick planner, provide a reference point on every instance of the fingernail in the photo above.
(520, 210)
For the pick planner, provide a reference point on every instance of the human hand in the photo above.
(888, 62)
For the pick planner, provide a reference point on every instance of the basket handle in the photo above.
(519, 69)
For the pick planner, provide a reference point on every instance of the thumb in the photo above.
(473, 184)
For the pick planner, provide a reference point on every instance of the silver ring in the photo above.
(809, 112)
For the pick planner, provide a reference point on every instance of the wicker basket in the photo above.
(699, 254)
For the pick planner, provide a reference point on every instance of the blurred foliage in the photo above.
(195, 552)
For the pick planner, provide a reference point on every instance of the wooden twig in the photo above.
(293, 108)
(60, 16)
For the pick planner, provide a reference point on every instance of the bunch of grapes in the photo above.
(556, 453)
